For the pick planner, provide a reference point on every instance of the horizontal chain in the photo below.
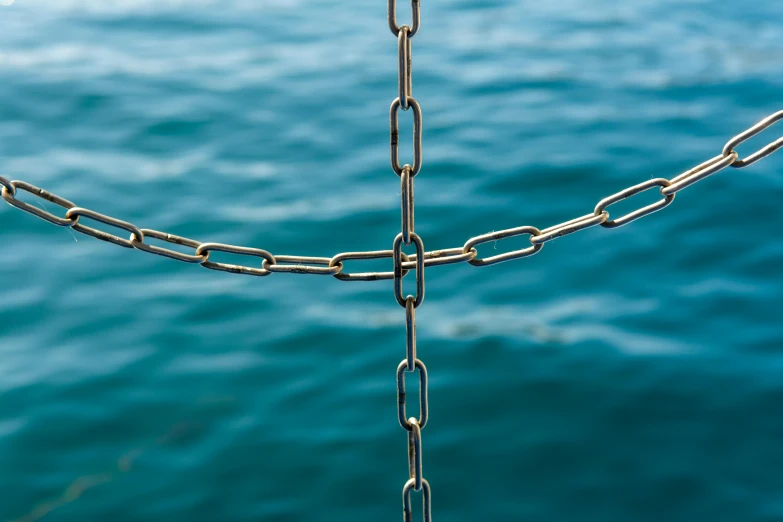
(334, 266)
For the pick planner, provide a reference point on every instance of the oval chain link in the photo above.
(569, 227)
(629, 192)
(414, 453)
(415, 13)
(699, 172)
(502, 234)
(401, 395)
(410, 333)
(365, 276)
(398, 270)
(9, 195)
(206, 248)
(165, 252)
(761, 153)
(395, 136)
(407, 508)
(406, 197)
(77, 212)
(303, 265)
(448, 256)
(405, 66)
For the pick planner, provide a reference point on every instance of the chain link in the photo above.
(365, 276)
(398, 270)
(699, 172)
(761, 153)
(415, 12)
(9, 195)
(394, 113)
(303, 265)
(410, 333)
(569, 227)
(407, 509)
(414, 453)
(207, 248)
(406, 197)
(166, 252)
(405, 65)
(629, 192)
(401, 395)
(77, 212)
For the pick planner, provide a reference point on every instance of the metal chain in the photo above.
(402, 263)
(408, 236)
(335, 265)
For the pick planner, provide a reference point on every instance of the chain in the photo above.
(408, 236)
(334, 266)
(402, 263)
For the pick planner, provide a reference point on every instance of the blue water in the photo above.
(618, 375)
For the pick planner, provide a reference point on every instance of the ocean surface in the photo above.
(632, 374)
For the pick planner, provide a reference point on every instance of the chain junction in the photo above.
(335, 266)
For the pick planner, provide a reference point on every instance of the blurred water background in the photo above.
(618, 375)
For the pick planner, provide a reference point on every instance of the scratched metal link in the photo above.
(366, 276)
(414, 453)
(9, 195)
(448, 256)
(398, 270)
(166, 252)
(405, 66)
(407, 508)
(77, 212)
(415, 13)
(394, 126)
(699, 172)
(629, 192)
(502, 234)
(569, 227)
(410, 332)
(406, 197)
(761, 153)
(402, 416)
(303, 265)
(206, 248)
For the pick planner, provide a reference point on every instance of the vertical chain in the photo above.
(408, 236)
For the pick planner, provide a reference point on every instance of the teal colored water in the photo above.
(618, 375)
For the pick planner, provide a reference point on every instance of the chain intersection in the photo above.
(402, 263)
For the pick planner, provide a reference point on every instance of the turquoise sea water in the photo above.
(618, 375)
